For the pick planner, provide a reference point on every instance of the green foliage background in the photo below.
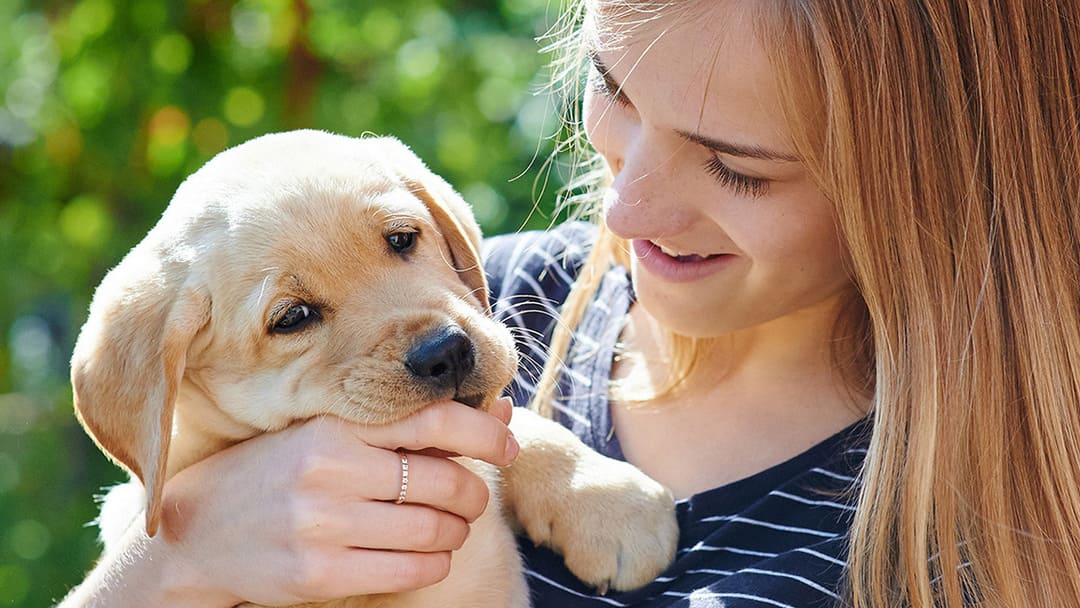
(106, 105)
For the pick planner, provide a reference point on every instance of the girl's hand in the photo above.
(307, 514)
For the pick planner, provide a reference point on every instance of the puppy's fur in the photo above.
(280, 284)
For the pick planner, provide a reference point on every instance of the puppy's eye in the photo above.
(295, 318)
(401, 242)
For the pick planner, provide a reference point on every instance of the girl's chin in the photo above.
(683, 314)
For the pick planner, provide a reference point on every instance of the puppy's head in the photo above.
(297, 274)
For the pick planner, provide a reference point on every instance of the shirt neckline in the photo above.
(603, 321)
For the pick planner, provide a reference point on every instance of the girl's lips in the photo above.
(681, 269)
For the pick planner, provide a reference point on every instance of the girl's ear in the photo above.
(128, 364)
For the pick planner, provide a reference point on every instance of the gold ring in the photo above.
(404, 477)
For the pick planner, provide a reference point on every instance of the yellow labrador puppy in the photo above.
(306, 273)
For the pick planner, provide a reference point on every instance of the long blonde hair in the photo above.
(947, 134)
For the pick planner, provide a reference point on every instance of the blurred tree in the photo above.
(106, 105)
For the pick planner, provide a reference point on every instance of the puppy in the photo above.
(302, 274)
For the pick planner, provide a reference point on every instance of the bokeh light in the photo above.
(244, 106)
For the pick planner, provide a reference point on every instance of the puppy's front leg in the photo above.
(614, 526)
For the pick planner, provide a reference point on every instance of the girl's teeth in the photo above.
(682, 257)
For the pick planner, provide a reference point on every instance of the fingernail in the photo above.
(508, 406)
(512, 447)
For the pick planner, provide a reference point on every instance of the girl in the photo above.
(838, 240)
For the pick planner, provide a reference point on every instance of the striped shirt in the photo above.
(774, 539)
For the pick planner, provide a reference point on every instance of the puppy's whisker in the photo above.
(524, 333)
(528, 337)
(449, 262)
(473, 292)
(262, 290)
(340, 408)
(550, 314)
(531, 302)
(529, 369)
(515, 317)
(523, 299)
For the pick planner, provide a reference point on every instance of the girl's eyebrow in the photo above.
(733, 149)
(716, 145)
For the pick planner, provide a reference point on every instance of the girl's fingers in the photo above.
(405, 527)
(317, 517)
(432, 481)
(502, 409)
(347, 572)
(366, 571)
(451, 427)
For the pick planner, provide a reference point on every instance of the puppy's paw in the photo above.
(614, 525)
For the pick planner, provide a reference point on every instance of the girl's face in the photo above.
(727, 230)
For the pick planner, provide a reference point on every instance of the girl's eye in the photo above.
(401, 242)
(742, 185)
(297, 317)
(602, 85)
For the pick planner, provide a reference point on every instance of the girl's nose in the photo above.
(645, 199)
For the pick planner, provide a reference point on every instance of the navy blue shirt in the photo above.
(776, 538)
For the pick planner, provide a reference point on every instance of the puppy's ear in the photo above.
(453, 216)
(128, 363)
(463, 249)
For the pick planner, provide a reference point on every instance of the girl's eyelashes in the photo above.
(603, 85)
(742, 185)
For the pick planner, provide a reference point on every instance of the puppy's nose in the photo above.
(442, 358)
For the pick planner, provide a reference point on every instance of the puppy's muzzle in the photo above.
(442, 359)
